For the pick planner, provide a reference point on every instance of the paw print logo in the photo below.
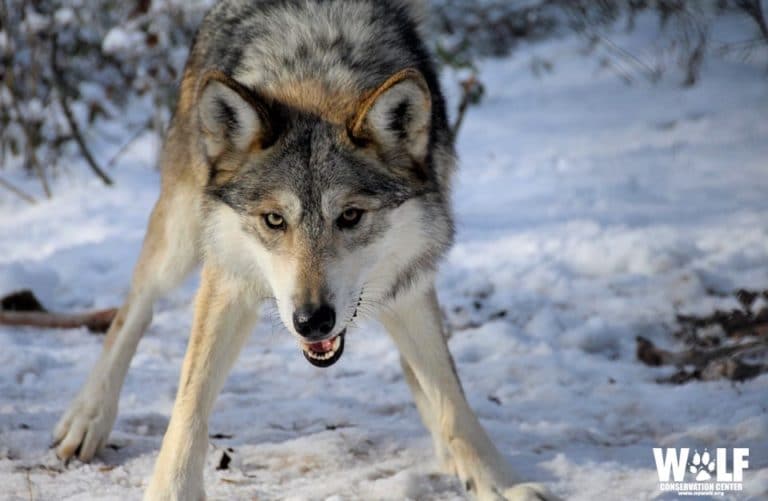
(702, 465)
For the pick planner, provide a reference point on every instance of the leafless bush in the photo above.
(468, 30)
(66, 64)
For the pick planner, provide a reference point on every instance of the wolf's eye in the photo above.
(274, 221)
(349, 218)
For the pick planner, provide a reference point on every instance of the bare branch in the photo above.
(28, 132)
(17, 191)
(754, 8)
(652, 74)
(124, 147)
(74, 127)
(471, 89)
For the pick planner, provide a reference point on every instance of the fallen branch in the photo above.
(22, 308)
(95, 321)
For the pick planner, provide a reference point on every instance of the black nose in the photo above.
(314, 322)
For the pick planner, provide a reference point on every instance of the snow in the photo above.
(589, 212)
(120, 39)
(65, 16)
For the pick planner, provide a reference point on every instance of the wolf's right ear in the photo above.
(231, 116)
(396, 117)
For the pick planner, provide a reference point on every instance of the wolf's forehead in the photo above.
(310, 170)
(307, 191)
(321, 170)
(312, 163)
(296, 204)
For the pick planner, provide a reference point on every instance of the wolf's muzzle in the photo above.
(326, 352)
(314, 322)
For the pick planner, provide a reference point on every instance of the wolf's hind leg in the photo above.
(167, 256)
(415, 325)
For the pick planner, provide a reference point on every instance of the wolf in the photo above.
(308, 161)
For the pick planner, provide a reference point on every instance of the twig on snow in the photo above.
(22, 308)
(709, 364)
(95, 321)
(649, 354)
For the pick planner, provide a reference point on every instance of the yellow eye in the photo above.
(349, 218)
(274, 221)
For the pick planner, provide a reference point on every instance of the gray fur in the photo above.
(298, 111)
(351, 47)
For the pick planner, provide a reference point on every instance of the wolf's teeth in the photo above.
(322, 356)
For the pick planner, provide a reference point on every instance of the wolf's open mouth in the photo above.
(324, 353)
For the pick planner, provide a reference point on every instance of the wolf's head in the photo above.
(335, 217)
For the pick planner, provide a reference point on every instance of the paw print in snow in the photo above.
(702, 465)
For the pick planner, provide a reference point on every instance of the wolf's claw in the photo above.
(86, 425)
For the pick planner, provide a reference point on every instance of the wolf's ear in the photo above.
(396, 117)
(232, 118)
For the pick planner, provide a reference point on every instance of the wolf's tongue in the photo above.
(322, 346)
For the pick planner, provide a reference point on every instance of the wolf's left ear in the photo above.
(232, 118)
(396, 117)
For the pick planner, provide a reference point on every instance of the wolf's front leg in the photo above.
(167, 257)
(415, 325)
(225, 311)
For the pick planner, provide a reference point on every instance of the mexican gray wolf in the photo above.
(308, 162)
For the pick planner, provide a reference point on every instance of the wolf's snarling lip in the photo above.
(326, 352)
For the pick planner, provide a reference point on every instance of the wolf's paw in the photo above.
(157, 491)
(168, 485)
(528, 492)
(86, 425)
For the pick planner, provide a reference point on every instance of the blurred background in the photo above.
(67, 62)
(608, 292)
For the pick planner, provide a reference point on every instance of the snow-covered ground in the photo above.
(589, 212)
